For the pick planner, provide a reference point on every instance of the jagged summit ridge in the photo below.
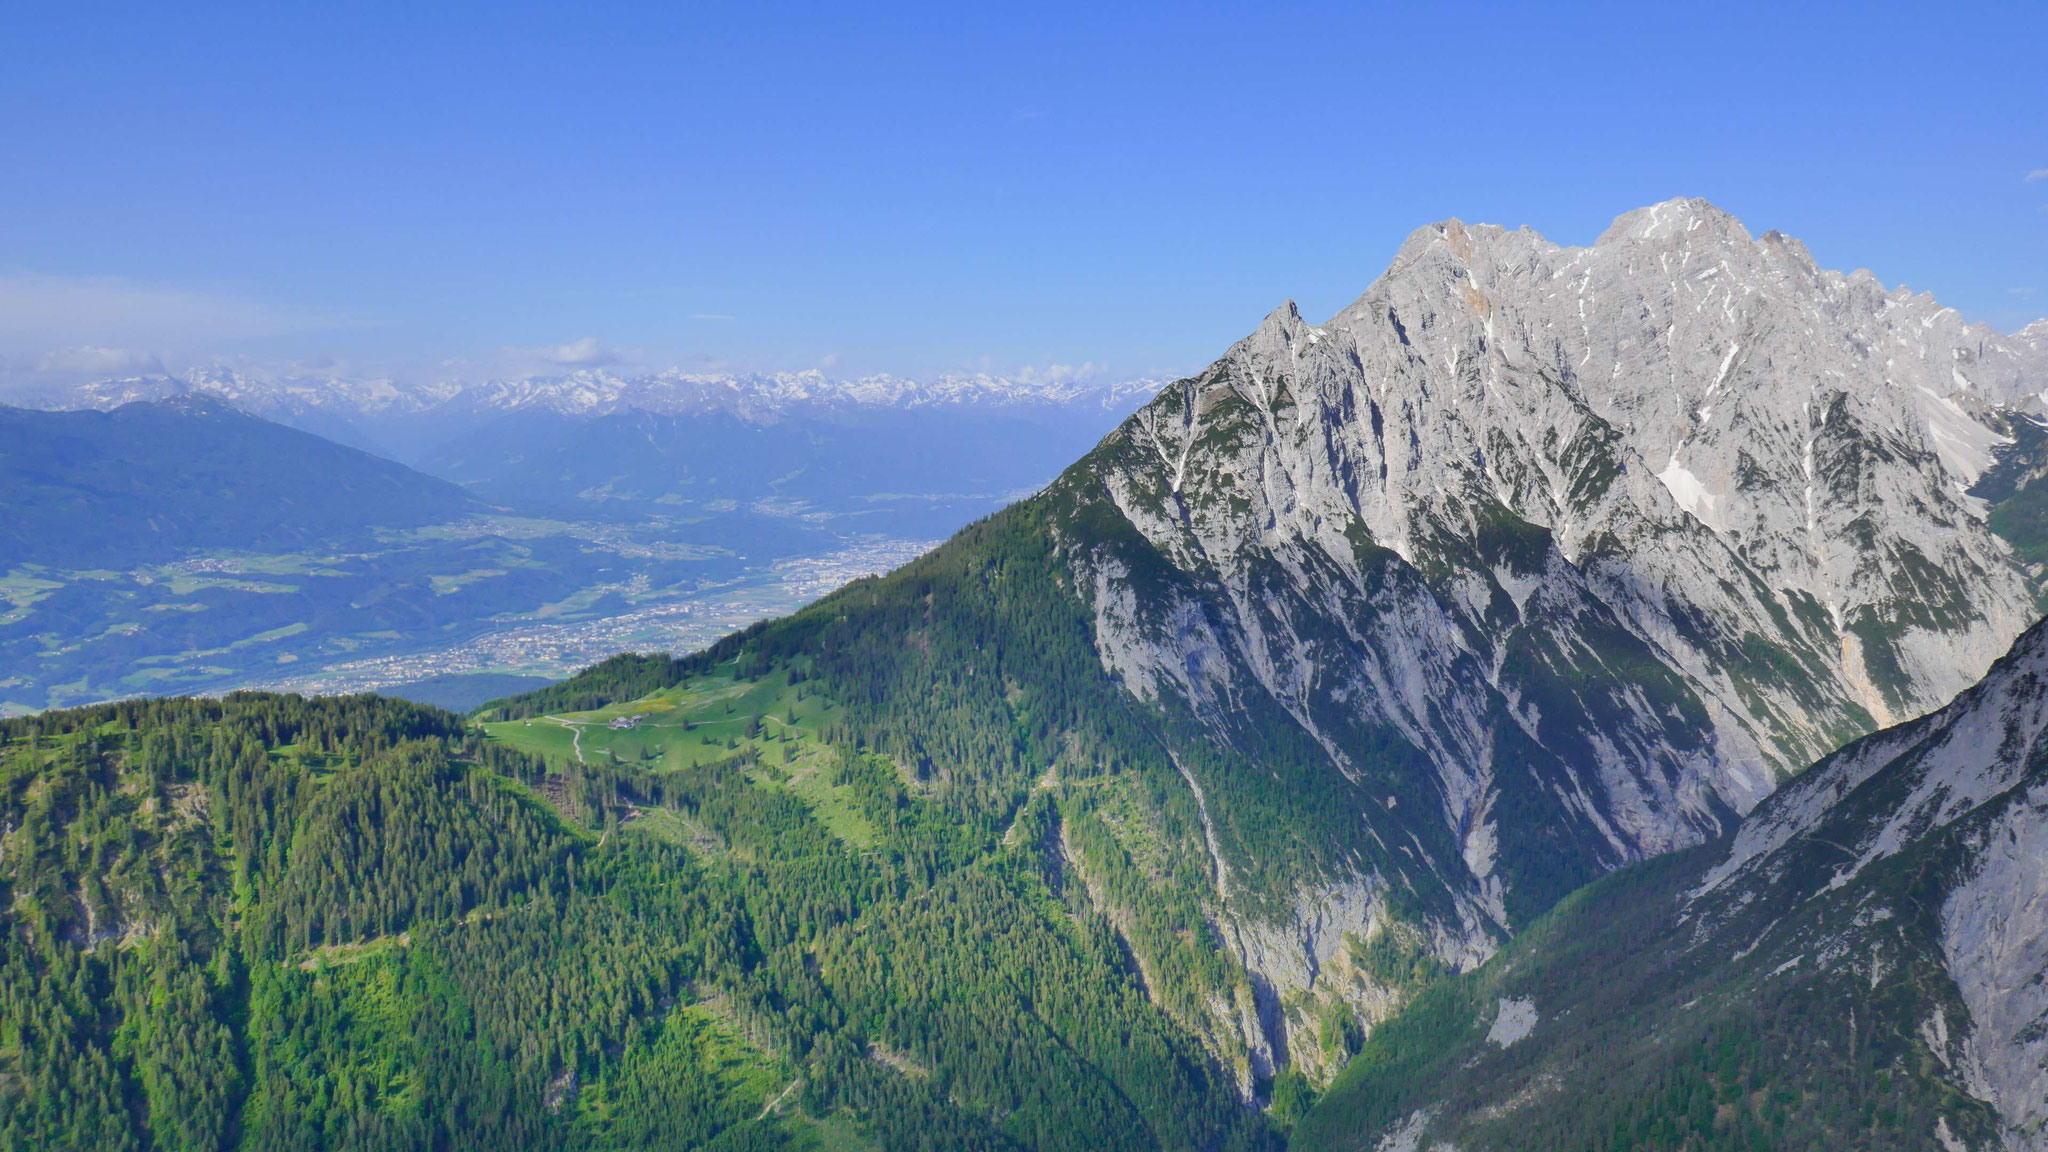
(1676, 218)
(1731, 367)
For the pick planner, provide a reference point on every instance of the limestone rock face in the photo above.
(1892, 899)
(1608, 541)
(1968, 788)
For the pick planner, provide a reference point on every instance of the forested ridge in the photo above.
(273, 922)
(389, 930)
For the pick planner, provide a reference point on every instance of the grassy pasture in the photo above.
(708, 718)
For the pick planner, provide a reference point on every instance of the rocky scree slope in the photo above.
(1862, 965)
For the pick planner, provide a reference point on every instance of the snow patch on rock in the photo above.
(1691, 494)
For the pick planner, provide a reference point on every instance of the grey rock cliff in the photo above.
(1613, 538)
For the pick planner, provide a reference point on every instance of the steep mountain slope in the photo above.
(1376, 638)
(1615, 536)
(2012, 486)
(1862, 965)
(148, 481)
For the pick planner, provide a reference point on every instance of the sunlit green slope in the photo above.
(353, 923)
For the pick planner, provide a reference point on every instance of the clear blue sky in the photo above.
(948, 186)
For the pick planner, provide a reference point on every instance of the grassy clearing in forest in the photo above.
(707, 719)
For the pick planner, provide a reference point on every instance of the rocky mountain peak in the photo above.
(1277, 335)
(2034, 337)
(1611, 538)
(1449, 235)
(1676, 221)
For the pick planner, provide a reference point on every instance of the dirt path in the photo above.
(575, 736)
(779, 1099)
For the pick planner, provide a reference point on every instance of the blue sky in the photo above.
(945, 187)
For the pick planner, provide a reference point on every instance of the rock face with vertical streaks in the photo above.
(1869, 952)
(1597, 544)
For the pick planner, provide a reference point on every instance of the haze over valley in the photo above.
(542, 526)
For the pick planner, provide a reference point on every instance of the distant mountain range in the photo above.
(896, 456)
(595, 392)
(405, 420)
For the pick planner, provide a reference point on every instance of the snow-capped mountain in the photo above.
(417, 423)
(268, 395)
(763, 397)
(597, 392)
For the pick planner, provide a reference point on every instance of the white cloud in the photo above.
(547, 359)
(588, 352)
(93, 360)
(1058, 373)
(2021, 291)
(2036, 174)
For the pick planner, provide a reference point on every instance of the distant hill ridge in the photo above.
(151, 480)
